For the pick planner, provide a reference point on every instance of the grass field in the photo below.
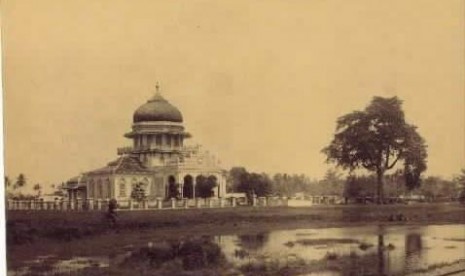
(26, 226)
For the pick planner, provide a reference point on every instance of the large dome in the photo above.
(157, 109)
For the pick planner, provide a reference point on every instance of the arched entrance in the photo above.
(213, 183)
(172, 188)
(204, 186)
(188, 189)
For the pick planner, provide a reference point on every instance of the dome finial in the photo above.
(157, 88)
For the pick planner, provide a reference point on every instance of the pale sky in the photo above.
(259, 83)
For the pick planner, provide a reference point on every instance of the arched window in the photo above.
(122, 187)
(168, 140)
(145, 182)
(100, 189)
(95, 188)
(90, 189)
(172, 187)
(108, 188)
(176, 141)
(133, 182)
(188, 187)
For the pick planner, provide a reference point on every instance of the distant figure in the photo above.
(112, 206)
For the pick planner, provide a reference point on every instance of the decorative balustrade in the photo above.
(159, 204)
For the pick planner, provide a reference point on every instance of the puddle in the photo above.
(356, 250)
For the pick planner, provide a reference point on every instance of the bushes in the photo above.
(191, 255)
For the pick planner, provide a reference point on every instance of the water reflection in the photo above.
(253, 242)
(368, 250)
(193, 254)
(413, 251)
(381, 265)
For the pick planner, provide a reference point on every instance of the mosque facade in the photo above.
(158, 162)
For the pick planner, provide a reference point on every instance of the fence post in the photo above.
(78, 204)
(186, 203)
(159, 203)
(233, 202)
(221, 202)
(254, 200)
(198, 203)
(285, 201)
(173, 203)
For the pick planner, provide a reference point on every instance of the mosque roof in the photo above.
(124, 164)
(157, 109)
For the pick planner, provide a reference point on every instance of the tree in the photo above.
(460, 180)
(20, 182)
(332, 183)
(204, 186)
(359, 186)
(138, 192)
(235, 177)
(7, 182)
(255, 184)
(376, 139)
(37, 187)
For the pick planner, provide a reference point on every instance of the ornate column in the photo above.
(193, 186)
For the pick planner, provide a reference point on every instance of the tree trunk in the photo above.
(379, 190)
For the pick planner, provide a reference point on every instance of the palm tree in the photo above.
(20, 182)
(37, 188)
(7, 182)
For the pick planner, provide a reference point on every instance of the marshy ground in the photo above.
(169, 241)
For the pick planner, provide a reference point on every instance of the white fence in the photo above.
(157, 204)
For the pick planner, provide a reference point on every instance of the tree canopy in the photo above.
(376, 139)
(138, 192)
(461, 184)
(37, 187)
(20, 181)
(250, 183)
(204, 186)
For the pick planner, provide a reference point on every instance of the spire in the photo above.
(157, 96)
(157, 88)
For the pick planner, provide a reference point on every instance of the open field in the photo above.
(31, 234)
(25, 227)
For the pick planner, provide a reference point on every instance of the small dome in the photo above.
(157, 109)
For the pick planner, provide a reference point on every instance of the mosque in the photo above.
(158, 162)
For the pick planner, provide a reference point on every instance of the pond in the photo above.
(363, 250)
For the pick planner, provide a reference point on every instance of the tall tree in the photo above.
(204, 186)
(332, 183)
(7, 182)
(376, 139)
(460, 180)
(37, 187)
(236, 176)
(20, 181)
